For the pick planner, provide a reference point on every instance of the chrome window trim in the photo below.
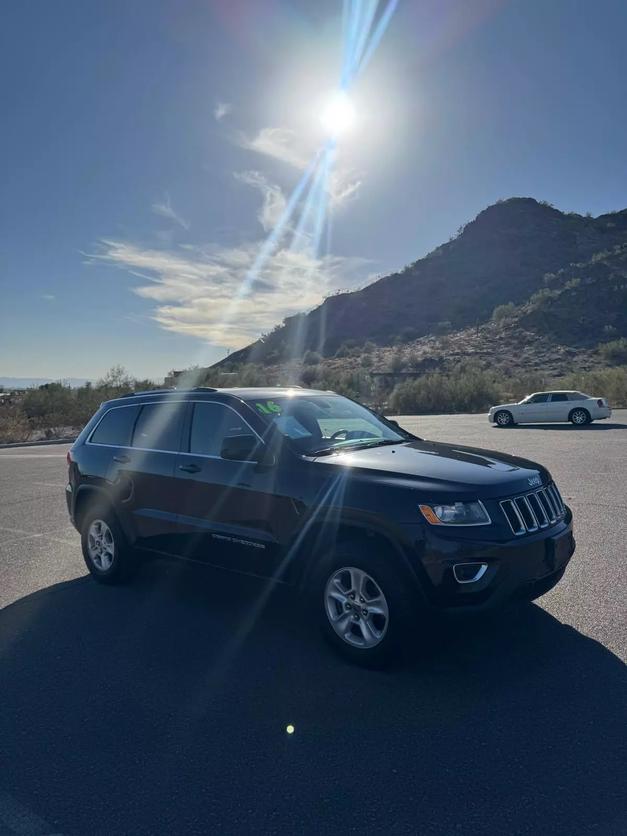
(171, 452)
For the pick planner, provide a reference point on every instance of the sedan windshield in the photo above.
(320, 424)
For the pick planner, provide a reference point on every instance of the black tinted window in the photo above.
(158, 427)
(116, 427)
(211, 424)
(559, 396)
(539, 398)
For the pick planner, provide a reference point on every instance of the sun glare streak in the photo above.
(309, 201)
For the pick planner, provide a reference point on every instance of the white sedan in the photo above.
(551, 407)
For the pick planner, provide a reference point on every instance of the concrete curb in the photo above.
(42, 443)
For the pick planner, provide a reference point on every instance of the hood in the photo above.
(504, 406)
(446, 468)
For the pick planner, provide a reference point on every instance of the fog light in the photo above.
(469, 572)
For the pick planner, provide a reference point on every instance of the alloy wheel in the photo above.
(100, 545)
(356, 607)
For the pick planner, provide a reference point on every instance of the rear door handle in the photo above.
(190, 468)
(122, 458)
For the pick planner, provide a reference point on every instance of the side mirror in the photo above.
(242, 448)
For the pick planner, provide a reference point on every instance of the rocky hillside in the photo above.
(564, 275)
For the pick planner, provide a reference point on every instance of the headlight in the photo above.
(459, 513)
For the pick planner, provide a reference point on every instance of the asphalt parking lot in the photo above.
(161, 707)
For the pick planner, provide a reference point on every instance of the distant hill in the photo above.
(29, 382)
(564, 274)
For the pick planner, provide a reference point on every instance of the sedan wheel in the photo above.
(504, 419)
(356, 607)
(579, 417)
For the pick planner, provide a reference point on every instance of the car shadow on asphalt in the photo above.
(162, 707)
(565, 427)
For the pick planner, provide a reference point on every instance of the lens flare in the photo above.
(338, 115)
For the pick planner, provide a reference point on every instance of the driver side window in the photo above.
(211, 424)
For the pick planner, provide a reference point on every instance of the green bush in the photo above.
(311, 358)
(604, 383)
(614, 352)
(464, 390)
(502, 312)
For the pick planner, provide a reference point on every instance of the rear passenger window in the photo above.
(559, 396)
(116, 427)
(211, 424)
(159, 427)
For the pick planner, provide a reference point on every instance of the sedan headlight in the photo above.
(459, 513)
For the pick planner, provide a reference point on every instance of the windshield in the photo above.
(323, 423)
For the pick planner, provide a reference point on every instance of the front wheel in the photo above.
(365, 610)
(503, 418)
(580, 417)
(106, 551)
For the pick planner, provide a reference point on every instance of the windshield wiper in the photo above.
(356, 445)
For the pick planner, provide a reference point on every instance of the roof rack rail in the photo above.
(204, 389)
(148, 392)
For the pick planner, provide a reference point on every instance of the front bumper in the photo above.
(524, 567)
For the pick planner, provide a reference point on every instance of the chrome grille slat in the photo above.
(557, 498)
(529, 512)
(538, 510)
(548, 508)
(553, 503)
(511, 511)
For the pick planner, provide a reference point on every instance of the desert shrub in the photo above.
(309, 375)
(397, 362)
(463, 390)
(604, 383)
(311, 358)
(502, 312)
(614, 352)
(14, 425)
(542, 295)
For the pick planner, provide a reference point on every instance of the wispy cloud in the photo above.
(194, 286)
(49, 297)
(283, 144)
(274, 202)
(164, 209)
(278, 143)
(221, 110)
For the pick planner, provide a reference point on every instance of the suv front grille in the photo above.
(533, 511)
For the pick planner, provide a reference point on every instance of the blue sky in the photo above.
(149, 147)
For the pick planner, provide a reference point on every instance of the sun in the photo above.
(338, 114)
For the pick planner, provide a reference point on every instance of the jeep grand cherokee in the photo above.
(376, 526)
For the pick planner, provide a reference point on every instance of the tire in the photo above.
(106, 551)
(374, 628)
(503, 418)
(579, 417)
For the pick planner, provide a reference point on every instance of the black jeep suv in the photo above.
(375, 525)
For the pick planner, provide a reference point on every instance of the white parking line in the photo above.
(32, 535)
(49, 484)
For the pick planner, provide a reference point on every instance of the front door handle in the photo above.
(122, 458)
(190, 468)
